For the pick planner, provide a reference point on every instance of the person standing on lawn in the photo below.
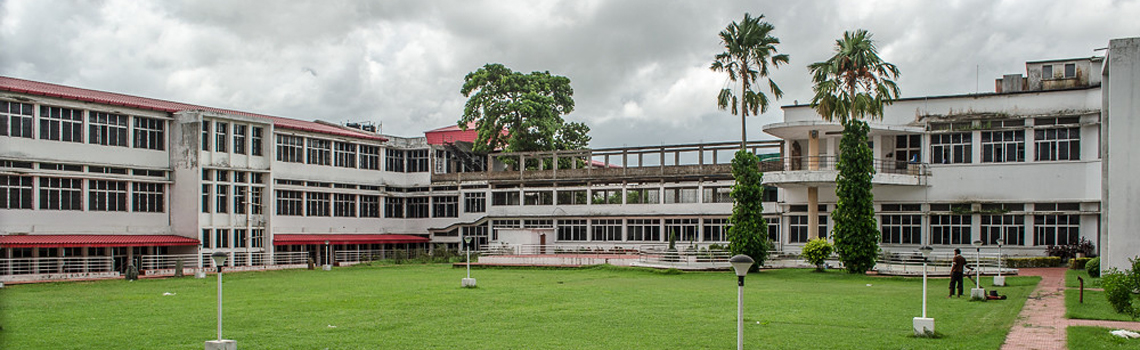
(956, 273)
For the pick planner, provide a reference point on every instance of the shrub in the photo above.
(816, 251)
(1118, 287)
(1078, 263)
(1050, 261)
(1093, 267)
(1066, 252)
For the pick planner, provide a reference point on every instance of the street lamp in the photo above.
(922, 325)
(740, 263)
(978, 292)
(468, 282)
(999, 280)
(220, 344)
(328, 257)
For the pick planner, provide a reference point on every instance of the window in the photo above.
(681, 195)
(256, 238)
(344, 205)
(475, 202)
(345, 154)
(107, 129)
(773, 228)
(223, 196)
(571, 230)
(538, 223)
(206, 197)
(222, 137)
(205, 135)
(901, 229)
(642, 196)
(369, 206)
(908, 149)
(1057, 144)
(1011, 228)
(1003, 146)
(61, 124)
(16, 119)
(684, 229)
(289, 203)
(369, 157)
(239, 198)
(950, 229)
(206, 233)
(608, 230)
(222, 238)
(538, 198)
(572, 197)
(417, 207)
(718, 194)
(644, 230)
(951, 148)
(715, 230)
(150, 133)
(105, 195)
(319, 152)
(770, 194)
(240, 235)
(239, 138)
(394, 160)
(607, 196)
(1056, 229)
(255, 199)
(1047, 71)
(255, 142)
(417, 160)
(797, 229)
(505, 198)
(289, 148)
(148, 197)
(317, 204)
(15, 192)
(393, 207)
(1070, 70)
(445, 206)
(61, 194)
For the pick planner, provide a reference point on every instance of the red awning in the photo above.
(68, 241)
(346, 239)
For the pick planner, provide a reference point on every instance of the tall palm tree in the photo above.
(750, 49)
(853, 85)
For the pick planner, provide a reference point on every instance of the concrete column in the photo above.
(813, 150)
(813, 212)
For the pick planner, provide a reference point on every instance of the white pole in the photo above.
(978, 270)
(999, 260)
(923, 288)
(740, 315)
(219, 303)
(468, 262)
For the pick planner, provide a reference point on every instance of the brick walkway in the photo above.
(1041, 323)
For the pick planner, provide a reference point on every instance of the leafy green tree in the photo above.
(749, 231)
(852, 85)
(749, 50)
(517, 112)
(817, 251)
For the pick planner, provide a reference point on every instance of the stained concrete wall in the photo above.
(1120, 219)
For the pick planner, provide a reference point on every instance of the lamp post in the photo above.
(468, 282)
(924, 326)
(977, 292)
(328, 257)
(220, 344)
(740, 264)
(999, 280)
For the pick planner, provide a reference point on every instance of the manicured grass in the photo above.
(1095, 306)
(1072, 282)
(1097, 338)
(423, 307)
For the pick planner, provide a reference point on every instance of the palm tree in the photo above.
(852, 85)
(750, 49)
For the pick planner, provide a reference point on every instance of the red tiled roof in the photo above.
(451, 134)
(67, 241)
(110, 98)
(288, 239)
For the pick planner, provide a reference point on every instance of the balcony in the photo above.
(821, 172)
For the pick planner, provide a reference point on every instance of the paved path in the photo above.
(1041, 323)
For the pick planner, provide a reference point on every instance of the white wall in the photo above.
(1121, 128)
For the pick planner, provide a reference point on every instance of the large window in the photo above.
(773, 228)
(289, 148)
(205, 135)
(798, 229)
(221, 137)
(317, 204)
(608, 230)
(644, 230)
(394, 160)
(255, 198)
(1003, 146)
(681, 195)
(344, 205)
(369, 206)
(223, 199)
(290, 203)
(715, 230)
(319, 152)
(61, 194)
(1056, 229)
(1011, 228)
(951, 148)
(475, 202)
(572, 197)
(718, 194)
(950, 229)
(505, 198)
(901, 229)
(255, 141)
(606, 196)
(445, 206)
(239, 138)
(417, 160)
(345, 154)
(571, 230)
(107, 129)
(16, 119)
(1057, 144)
(369, 157)
(642, 196)
(418, 207)
(908, 149)
(240, 197)
(15, 192)
(150, 133)
(393, 207)
(538, 197)
(103, 195)
(684, 229)
(61, 124)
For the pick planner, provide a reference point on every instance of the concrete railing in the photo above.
(67, 265)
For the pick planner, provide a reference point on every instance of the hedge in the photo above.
(1048, 261)
(1078, 263)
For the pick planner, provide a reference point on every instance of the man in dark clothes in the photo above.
(956, 273)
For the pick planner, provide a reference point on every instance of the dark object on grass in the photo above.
(994, 296)
(1082, 300)
(132, 273)
(178, 268)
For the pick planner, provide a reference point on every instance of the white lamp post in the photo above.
(924, 326)
(740, 263)
(220, 344)
(977, 292)
(999, 280)
(468, 282)
(328, 257)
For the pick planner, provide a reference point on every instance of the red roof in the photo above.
(282, 239)
(110, 98)
(67, 241)
(451, 134)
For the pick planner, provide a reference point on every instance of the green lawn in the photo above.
(423, 307)
(1072, 282)
(1097, 338)
(1095, 306)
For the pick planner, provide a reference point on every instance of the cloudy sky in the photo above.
(639, 68)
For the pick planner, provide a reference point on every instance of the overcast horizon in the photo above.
(634, 65)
